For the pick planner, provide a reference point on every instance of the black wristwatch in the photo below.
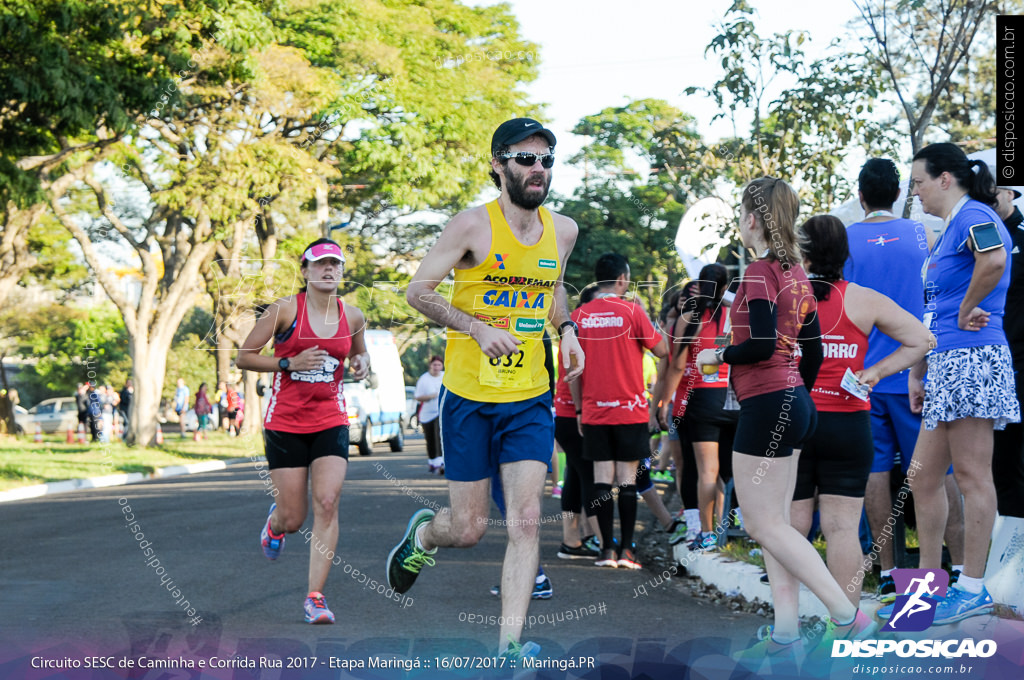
(571, 324)
(283, 364)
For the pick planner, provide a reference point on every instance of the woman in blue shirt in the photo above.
(969, 386)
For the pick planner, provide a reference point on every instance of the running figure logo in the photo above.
(922, 589)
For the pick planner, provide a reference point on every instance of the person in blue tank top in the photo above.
(886, 254)
(969, 387)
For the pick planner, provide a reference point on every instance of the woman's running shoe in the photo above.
(316, 609)
(607, 559)
(706, 541)
(960, 604)
(272, 545)
(628, 560)
(783, 658)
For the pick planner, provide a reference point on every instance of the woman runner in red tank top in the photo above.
(306, 425)
(836, 460)
(707, 423)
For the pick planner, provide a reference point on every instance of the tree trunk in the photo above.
(252, 424)
(149, 367)
(224, 349)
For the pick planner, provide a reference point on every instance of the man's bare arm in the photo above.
(569, 346)
(422, 294)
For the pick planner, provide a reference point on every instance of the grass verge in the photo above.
(25, 463)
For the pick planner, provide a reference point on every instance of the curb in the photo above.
(38, 490)
(733, 577)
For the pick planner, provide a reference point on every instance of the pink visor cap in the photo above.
(322, 250)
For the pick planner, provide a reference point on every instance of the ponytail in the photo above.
(984, 186)
(971, 175)
(826, 248)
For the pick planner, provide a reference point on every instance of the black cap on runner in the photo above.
(516, 130)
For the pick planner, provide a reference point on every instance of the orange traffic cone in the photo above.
(81, 433)
(159, 436)
(71, 435)
(38, 437)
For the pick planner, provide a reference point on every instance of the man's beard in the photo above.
(517, 191)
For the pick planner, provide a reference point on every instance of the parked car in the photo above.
(53, 415)
(21, 420)
(377, 405)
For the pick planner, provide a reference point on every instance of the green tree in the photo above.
(920, 45)
(792, 117)
(644, 164)
(281, 100)
(69, 346)
(73, 75)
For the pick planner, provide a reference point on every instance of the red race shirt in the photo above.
(309, 401)
(791, 293)
(564, 408)
(712, 335)
(614, 334)
(844, 346)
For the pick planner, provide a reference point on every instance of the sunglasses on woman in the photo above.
(527, 159)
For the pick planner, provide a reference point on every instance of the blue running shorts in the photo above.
(477, 437)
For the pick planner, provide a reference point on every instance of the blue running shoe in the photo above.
(960, 604)
(706, 541)
(316, 609)
(407, 558)
(541, 591)
(272, 545)
(886, 611)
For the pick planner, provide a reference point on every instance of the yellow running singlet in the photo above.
(512, 289)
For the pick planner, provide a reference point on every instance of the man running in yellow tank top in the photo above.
(508, 257)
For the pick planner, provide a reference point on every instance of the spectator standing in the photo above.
(611, 401)
(125, 405)
(221, 398)
(181, 399)
(203, 408)
(428, 389)
(969, 390)
(886, 255)
(234, 403)
(1008, 452)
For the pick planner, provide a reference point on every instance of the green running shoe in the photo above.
(406, 558)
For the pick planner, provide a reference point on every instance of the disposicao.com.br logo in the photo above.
(914, 611)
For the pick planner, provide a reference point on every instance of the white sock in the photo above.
(971, 585)
(783, 639)
(958, 567)
(419, 544)
(692, 516)
(887, 572)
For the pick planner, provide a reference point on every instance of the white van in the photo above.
(376, 405)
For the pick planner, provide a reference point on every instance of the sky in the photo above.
(598, 53)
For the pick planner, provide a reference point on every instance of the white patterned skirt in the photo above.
(970, 382)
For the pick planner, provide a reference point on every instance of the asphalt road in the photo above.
(75, 580)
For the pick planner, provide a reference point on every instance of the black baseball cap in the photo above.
(516, 130)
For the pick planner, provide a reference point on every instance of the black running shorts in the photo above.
(837, 459)
(297, 450)
(622, 443)
(772, 425)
